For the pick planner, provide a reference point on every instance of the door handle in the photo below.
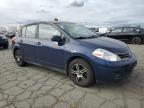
(38, 43)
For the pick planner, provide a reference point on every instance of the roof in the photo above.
(52, 22)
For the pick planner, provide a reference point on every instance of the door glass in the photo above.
(117, 30)
(136, 30)
(30, 31)
(128, 30)
(46, 31)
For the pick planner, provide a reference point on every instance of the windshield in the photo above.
(77, 31)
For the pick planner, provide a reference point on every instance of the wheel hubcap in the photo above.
(79, 72)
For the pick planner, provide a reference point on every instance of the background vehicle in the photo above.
(3, 41)
(75, 51)
(94, 29)
(134, 35)
(10, 34)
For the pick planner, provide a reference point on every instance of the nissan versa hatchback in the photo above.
(75, 51)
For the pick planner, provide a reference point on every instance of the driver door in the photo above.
(48, 52)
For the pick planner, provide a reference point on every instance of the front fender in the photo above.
(16, 46)
(75, 56)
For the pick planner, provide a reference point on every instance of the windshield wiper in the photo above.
(88, 37)
(93, 36)
(80, 38)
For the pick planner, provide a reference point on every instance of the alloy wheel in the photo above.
(79, 72)
(18, 57)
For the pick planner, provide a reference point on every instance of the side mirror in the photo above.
(56, 38)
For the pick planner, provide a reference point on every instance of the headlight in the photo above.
(106, 55)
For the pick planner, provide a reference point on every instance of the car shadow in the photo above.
(97, 85)
(112, 84)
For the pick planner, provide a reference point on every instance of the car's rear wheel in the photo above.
(19, 58)
(136, 40)
(81, 72)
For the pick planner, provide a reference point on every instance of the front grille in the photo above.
(124, 56)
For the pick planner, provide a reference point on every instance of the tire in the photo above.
(81, 73)
(19, 58)
(136, 40)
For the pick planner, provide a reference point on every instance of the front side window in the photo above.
(30, 31)
(47, 31)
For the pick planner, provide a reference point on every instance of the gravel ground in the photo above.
(36, 87)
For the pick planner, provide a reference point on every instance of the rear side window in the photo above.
(136, 30)
(128, 30)
(31, 31)
(46, 31)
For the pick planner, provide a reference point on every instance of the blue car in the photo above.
(74, 50)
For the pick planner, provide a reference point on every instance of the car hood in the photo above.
(106, 43)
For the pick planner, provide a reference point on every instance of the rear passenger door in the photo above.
(48, 52)
(129, 33)
(27, 42)
(115, 34)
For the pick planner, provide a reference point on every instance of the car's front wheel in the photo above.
(136, 40)
(81, 72)
(19, 58)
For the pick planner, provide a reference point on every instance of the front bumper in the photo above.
(106, 71)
